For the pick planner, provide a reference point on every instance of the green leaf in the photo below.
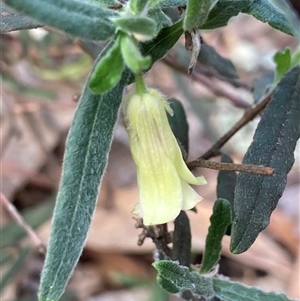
(161, 19)
(182, 240)
(132, 55)
(262, 10)
(108, 71)
(15, 269)
(233, 291)
(180, 277)
(226, 183)
(274, 142)
(144, 26)
(170, 3)
(219, 221)
(77, 18)
(167, 285)
(85, 161)
(163, 42)
(208, 56)
(137, 6)
(179, 125)
(12, 20)
(282, 60)
(296, 57)
(196, 14)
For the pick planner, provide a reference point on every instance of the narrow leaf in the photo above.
(274, 142)
(219, 221)
(132, 55)
(262, 10)
(161, 19)
(163, 42)
(143, 26)
(85, 161)
(170, 3)
(180, 277)
(182, 240)
(226, 183)
(108, 70)
(11, 20)
(196, 14)
(77, 18)
(167, 285)
(210, 57)
(137, 6)
(179, 125)
(234, 291)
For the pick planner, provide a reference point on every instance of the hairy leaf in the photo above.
(180, 277)
(11, 20)
(233, 291)
(179, 125)
(161, 19)
(262, 10)
(132, 55)
(182, 240)
(163, 42)
(219, 221)
(196, 14)
(137, 6)
(170, 3)
(77, 18)
(85, 161)
(274, 142)
(108, 71)
(144, 26)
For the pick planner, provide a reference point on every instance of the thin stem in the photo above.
(258, 169)
(11, 209)
(200, 78)
(248, 116)
(140, 84)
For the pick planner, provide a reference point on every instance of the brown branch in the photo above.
(11, 209)
(159, 235)
(217, 90)
(258, 169)
(248, 116)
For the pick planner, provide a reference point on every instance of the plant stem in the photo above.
(140, 84)
(258, 169)
(248, 116)
(11, 209)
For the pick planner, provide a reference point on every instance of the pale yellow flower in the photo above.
(163, 177)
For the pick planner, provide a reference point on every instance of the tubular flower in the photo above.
(162, 174)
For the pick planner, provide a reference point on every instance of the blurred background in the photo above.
(43, 73)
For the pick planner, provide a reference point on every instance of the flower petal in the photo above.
(190, 196)
(160, 194)
(182, 169)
